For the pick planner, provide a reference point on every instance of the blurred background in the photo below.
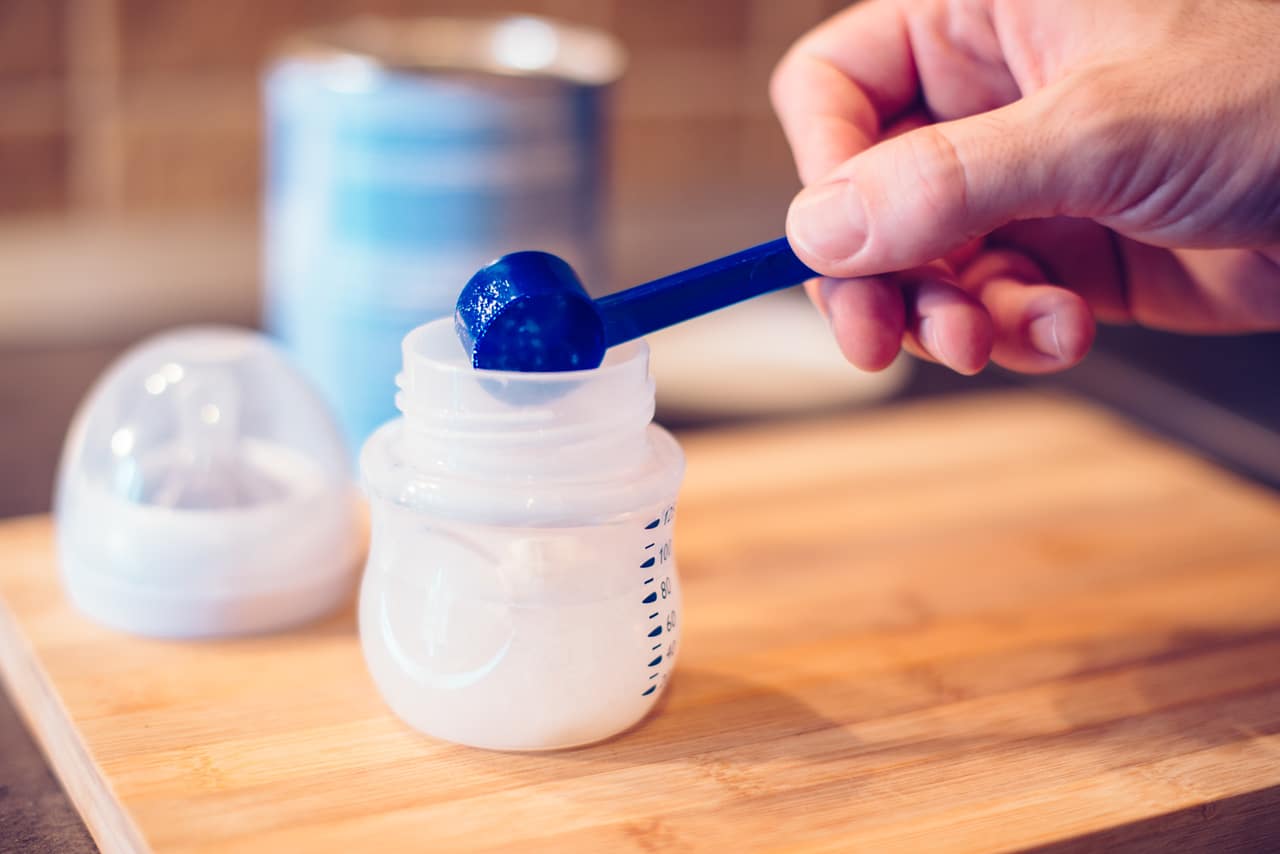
(139, 123)
(131, 139)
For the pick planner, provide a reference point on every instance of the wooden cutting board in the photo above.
(981, 624)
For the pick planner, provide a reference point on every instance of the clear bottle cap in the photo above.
(204, 490)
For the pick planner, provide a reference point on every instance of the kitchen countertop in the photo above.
(40, 387)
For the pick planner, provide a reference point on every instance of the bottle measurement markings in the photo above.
(666, 589)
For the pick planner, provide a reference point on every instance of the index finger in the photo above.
(842, 82)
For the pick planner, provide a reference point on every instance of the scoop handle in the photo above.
(690, 293)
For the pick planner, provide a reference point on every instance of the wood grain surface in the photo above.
(993, 623)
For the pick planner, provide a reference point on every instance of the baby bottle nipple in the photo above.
(204, 491)
(207, 467)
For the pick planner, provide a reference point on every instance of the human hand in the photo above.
(985, 178)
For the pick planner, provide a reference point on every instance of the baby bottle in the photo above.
(520, 592)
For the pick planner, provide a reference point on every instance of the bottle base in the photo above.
(533, 744)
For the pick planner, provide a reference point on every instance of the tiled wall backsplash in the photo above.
(149, 106)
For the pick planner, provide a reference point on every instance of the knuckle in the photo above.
(939, 174)
(1090, 95)
(780, 80)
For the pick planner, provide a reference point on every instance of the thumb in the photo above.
(918, 196)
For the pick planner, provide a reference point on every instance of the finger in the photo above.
(924, 194)
(946, 325)
(1039, 327)
(961, 256)
(923, 310)
(1203, 290)
(866, 317)
(841, 83)
(1078, 254)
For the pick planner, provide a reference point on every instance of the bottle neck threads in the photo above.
(580, 425)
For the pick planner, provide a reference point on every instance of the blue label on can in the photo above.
(385, 190)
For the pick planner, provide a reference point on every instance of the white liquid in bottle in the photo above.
(520, 592)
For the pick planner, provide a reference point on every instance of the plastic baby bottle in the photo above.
(520, 592)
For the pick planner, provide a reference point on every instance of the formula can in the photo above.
(403, 155)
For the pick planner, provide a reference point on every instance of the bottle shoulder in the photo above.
(390, 476)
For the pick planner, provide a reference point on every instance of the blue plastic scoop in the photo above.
(528, 311)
